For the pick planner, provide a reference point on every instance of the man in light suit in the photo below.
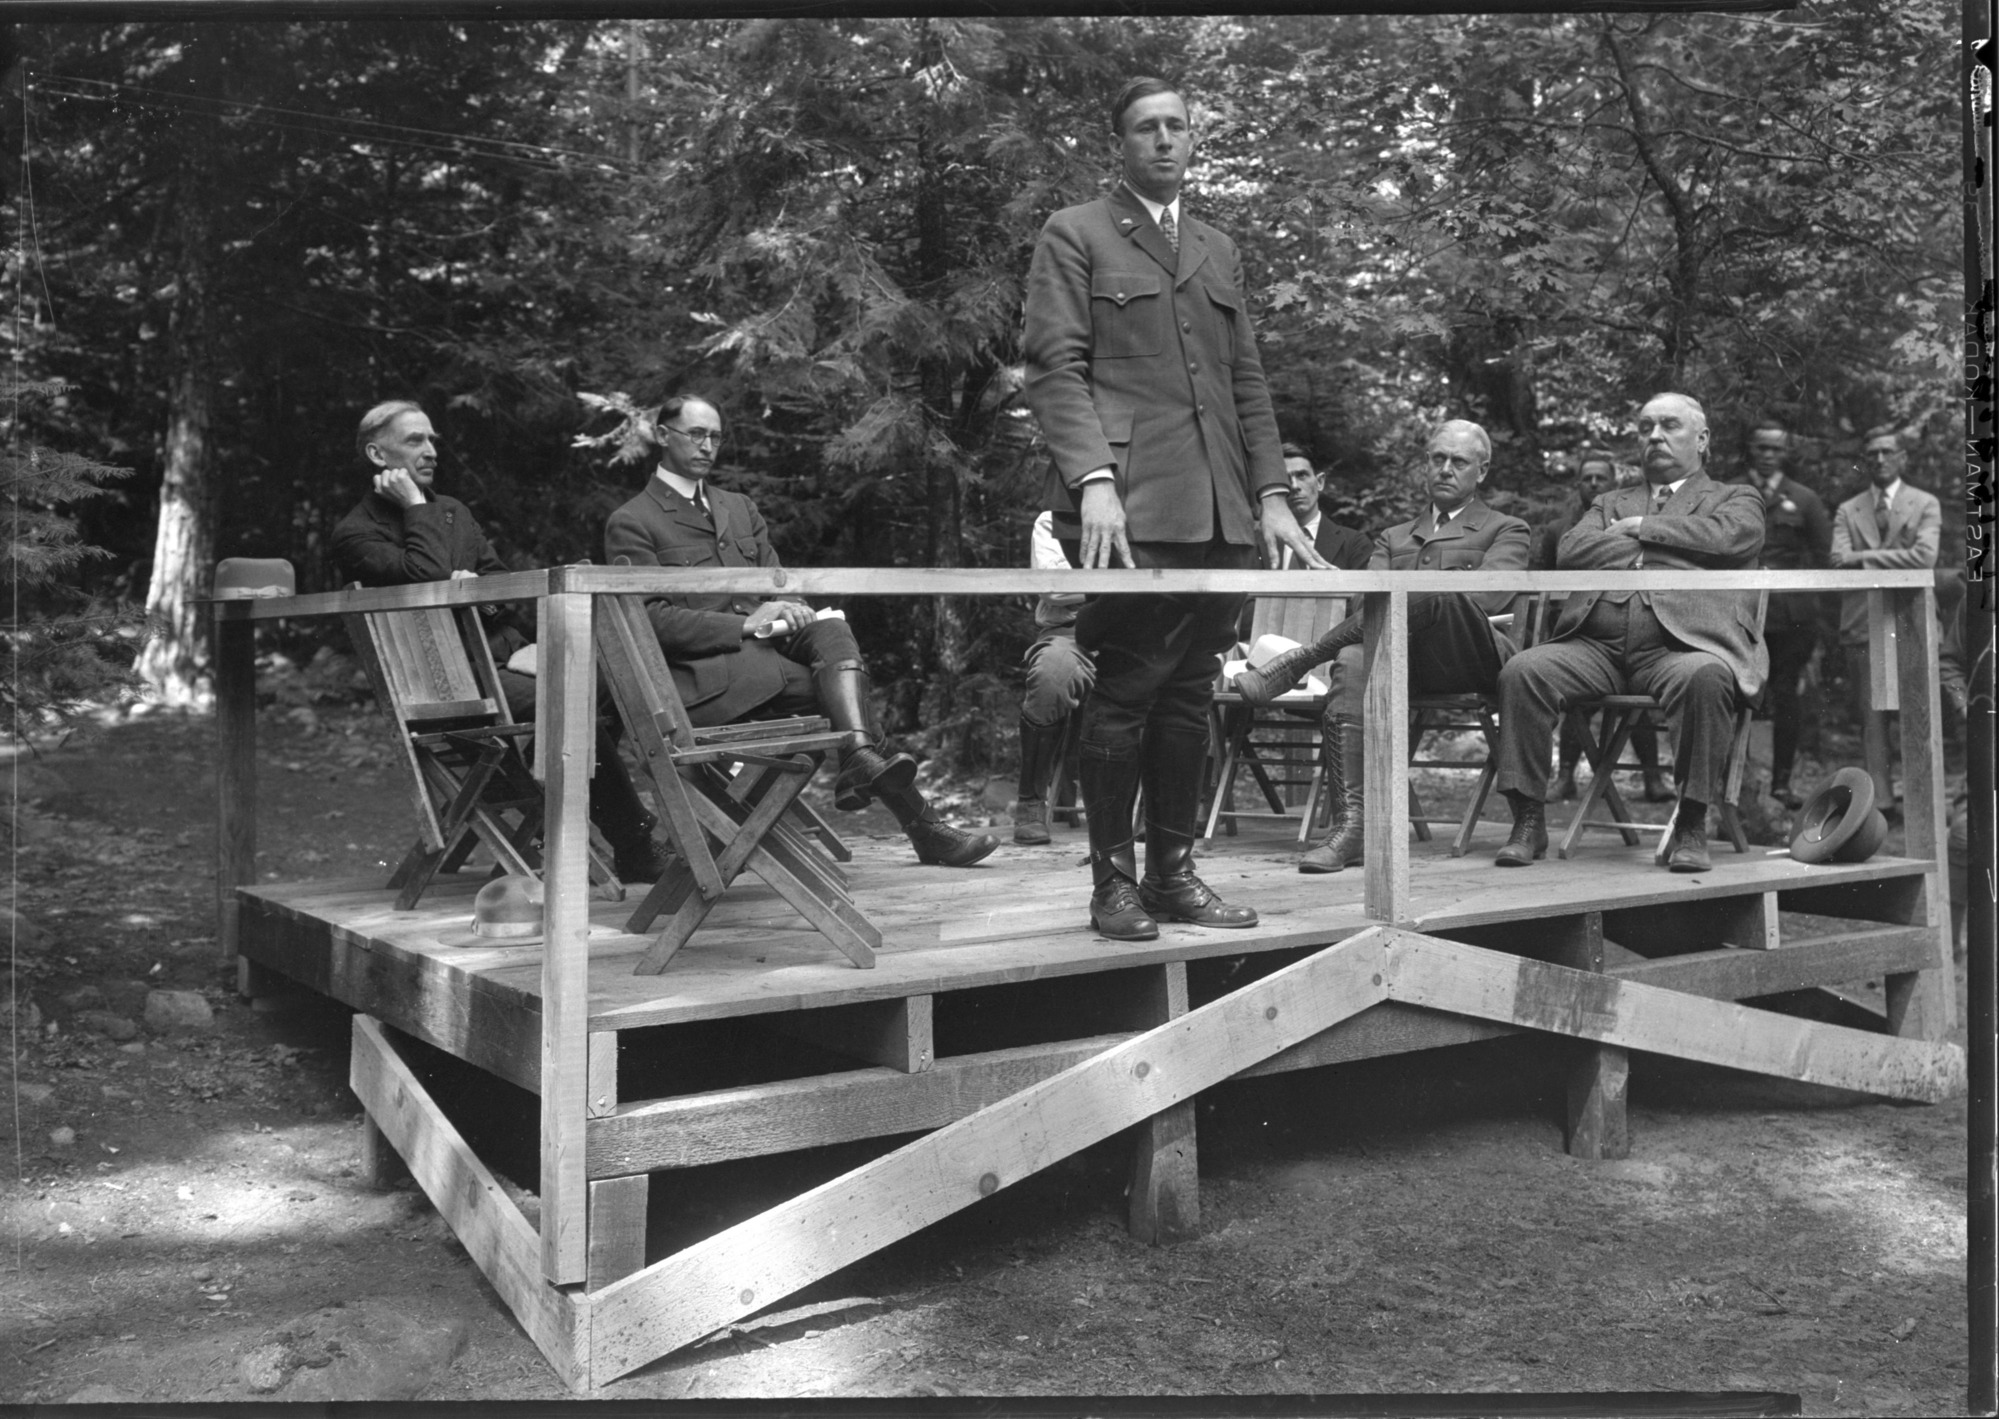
(735, 658)
(1143, 374)
(1891, 524)
(1700, 653)
(1452, 649)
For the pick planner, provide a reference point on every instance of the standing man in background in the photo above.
(1891, 524)
(1335, 541)
(1797, 536)
(1143, 373)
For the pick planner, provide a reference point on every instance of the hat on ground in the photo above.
(507, 912)
(1840, 823)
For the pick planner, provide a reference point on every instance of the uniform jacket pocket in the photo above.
(1127, 318)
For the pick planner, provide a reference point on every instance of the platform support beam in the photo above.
(1922, 1004)
(617, 1228)
(1165, 1178)
(1599, 1075)
(566, 687)
(235, 776)
(1385, 629)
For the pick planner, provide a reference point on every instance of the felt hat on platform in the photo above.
(245, 578)
(507, 912)
(1840, 823)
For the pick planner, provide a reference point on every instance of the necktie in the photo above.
(1169, 228)
(1660, 497)
(1881, 513)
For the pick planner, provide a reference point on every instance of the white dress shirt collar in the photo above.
(1153, 209)
(688, 488)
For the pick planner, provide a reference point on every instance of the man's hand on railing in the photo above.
(1104, 541)
(1281, 529)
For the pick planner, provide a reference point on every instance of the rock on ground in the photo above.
(178, 1010)
(369, 1349)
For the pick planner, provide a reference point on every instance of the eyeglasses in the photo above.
(700, 438)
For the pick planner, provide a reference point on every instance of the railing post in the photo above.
(1922, 1004)
(1385, 627)
(565, 693)
(235, 773)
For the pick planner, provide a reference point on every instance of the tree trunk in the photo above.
(173, 659)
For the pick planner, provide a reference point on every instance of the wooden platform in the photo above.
(963, 937)
(998, 1027)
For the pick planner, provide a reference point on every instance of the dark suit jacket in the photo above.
(1342, 545)
(702, 636)
(1915, 522)
(1145, 361)
(1797, 536)
(1477, 537)
(1707, 525)
(381, 543)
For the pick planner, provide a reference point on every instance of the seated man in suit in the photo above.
(734, 658)
(1596, 474)
(403, 532)
(1890, 523)
(1453, 648)
(1336, 542)
(1700, 653)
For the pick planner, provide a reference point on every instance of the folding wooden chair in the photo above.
(434, 679)
(1606, 757)
(725, 796)
(1277, 743)
(1431, 714)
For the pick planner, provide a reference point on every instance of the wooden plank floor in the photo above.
(1020, 916)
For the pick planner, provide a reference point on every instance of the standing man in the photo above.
(1700, 653)
(1890, 524)
(735, 658)
(1452, 649)
(1797, 537)
(1143, 373)
(1335, 541)
(403, 531)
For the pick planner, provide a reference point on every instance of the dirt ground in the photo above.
(186, 1219)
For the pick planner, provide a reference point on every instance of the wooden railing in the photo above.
(1903, 660)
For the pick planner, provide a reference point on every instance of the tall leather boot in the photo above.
(1174, 767)
(619, 813)
(1110, 793)
(1529, 838)
(936, 841)
(1645, 744)
(1260, 687)
(1344, 843)
(1040, 752)
(865, 772)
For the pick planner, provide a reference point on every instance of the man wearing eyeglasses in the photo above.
(404, 531)
(1453, 647)
(734, 657)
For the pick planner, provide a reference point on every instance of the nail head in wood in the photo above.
(989, 1184)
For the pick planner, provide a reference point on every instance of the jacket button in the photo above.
(1121, 298)
(1193, 368)
(1186, 325)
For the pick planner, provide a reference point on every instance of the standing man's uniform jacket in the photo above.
(1143, 359)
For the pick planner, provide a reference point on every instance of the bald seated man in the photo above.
(1700, 653)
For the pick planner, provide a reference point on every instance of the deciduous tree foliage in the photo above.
(824, 226)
